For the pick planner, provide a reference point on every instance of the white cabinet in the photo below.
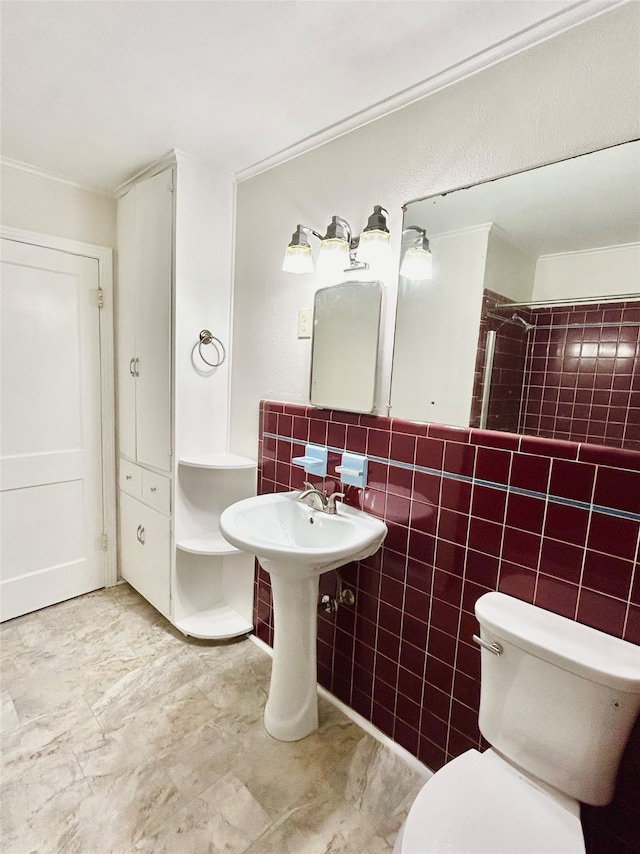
(145, 543)
(145, 533)
(175, 238)
(145, 228)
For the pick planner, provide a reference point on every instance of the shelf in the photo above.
(207, 544)
(215, 623)
(218, 461)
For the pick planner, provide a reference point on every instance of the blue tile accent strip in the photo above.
(556, 499)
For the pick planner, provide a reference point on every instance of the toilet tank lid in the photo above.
(572, 646)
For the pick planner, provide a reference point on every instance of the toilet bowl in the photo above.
(557, 703)
(481, 804)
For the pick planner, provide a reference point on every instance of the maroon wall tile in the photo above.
(468, 511)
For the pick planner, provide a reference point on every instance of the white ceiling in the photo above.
(582, 203)
(95, 91)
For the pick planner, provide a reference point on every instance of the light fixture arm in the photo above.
(413, 228)
(420, 239)
(299, 236)
(308, 230)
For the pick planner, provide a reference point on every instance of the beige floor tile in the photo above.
(225, 817)
(121, 735)
(11, 642)
(320, 822)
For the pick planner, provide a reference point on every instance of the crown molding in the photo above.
(596, 250)
(52, 176)
(171, 158)
(579, 13)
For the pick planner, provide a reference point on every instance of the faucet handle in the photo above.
(331, 501)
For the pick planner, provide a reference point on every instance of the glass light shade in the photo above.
(417, 264)
(297, 259)
(333, 258)
(373, 248)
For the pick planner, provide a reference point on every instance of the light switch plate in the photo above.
(305, 322)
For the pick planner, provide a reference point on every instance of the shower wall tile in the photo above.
(574, 375)
(581, 377)
(552, 522)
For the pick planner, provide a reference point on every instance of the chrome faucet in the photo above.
(320, 500)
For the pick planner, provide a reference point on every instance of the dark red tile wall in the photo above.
(575, 376)
(582, 379)
(509, 363)
(552, 522)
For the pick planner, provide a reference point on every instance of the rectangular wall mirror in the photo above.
(344, 352)
(531, 321)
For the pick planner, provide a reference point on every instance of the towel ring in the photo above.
(207, 338)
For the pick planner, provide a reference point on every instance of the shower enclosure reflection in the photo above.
(513, 366)
(565, 372)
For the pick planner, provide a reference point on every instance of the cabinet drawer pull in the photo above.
(132, 369)
(140, 534)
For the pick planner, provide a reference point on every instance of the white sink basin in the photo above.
(290, 538)
(295, 543)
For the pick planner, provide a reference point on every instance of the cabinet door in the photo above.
(126, 324)
(145, 552)
(154, 240)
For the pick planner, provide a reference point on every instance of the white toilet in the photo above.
(557, 703)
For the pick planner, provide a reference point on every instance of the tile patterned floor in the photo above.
(119, 735)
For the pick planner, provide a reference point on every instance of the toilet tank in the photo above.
(560, 699)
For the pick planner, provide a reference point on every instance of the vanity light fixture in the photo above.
(335, 247)
(340, 252)
(417, 263)
(374, 247)
(297, 256)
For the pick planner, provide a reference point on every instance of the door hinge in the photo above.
(104, 542)
(96, 297)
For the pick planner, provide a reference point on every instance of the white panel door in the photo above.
(51, 512)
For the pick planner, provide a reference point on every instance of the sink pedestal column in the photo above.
(291, 712)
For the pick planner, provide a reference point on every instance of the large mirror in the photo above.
(530, 322)
(344, 351)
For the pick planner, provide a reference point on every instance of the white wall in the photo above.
(437, 331)
(595, 272)
(571, 95)
(510, 271)
(37, 203)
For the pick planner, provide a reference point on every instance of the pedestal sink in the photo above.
(295, 544)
